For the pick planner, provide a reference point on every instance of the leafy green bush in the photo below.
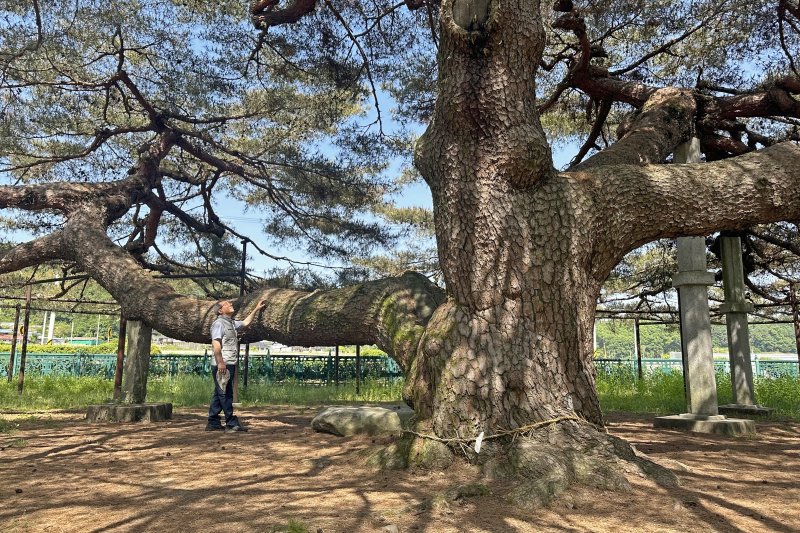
(372, 351)
(615, 338)
(68, 349)
(366, 351)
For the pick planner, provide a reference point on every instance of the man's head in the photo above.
(225, 307)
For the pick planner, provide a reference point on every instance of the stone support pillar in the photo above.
(692, 281)
(134, 383)
(137, 362)
(736, 309)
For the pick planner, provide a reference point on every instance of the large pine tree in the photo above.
(506, 348)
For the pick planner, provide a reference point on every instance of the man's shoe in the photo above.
(212, 427)
(234, 429)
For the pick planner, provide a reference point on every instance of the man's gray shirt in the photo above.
(224, 330)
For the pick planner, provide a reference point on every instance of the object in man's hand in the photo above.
(223, 379)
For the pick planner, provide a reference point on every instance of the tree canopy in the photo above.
(290, 121)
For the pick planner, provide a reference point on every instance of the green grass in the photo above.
(299, 394)
(68, 392)
(292, 526)
(189, 391)
(782, 394)
(660, 392)
(181, 391)
(6, 426)
(196, 390)
(55, 392)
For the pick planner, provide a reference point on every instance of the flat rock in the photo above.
(361, 420)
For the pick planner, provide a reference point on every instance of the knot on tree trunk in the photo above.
(471, 15)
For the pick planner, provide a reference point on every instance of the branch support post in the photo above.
(692, 280)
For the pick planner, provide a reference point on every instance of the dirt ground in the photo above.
(58, 473)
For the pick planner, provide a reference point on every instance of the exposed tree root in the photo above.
(538, 466)
(546, 463)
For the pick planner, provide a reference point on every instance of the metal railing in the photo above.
(268, 367)
(767, 368)
(321, 368)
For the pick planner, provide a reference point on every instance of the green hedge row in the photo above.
(69, 349)
(111, 347)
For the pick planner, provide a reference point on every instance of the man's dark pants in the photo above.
(222, 400)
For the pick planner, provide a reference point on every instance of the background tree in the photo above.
(524, 249)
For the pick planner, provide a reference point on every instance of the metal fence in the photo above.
(267, 367)
(323, 368)
(767, 368)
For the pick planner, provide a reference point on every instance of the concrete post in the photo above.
(52, 325)
(137, 362)
(692, 281)
(134, 383)
(736, 310)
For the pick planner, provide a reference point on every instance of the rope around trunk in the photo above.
(502, 433)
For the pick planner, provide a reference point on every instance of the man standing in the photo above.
(224, 342)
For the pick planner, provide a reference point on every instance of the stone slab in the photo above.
(123, 412)
(362, 420)
(732, 427)
(745, 410)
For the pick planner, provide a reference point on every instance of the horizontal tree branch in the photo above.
(390, 312)
(664, 122)
(47, 248)
(115, 198)
(64, 196)
(264, 15)
(690, 199)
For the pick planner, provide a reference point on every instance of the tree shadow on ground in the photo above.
(175, 476)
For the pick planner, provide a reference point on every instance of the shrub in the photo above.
(70, 349)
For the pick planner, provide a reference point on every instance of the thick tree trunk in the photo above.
(514, 345)
(510, 353)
